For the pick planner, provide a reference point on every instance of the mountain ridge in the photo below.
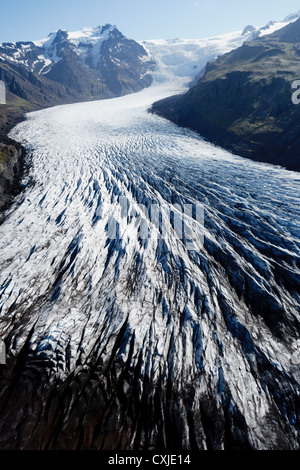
(96, 63)
(99, 63)
(243, 102)
(103, 63)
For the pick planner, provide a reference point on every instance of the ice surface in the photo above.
(185, 58)
(220, 320)
(180, 307)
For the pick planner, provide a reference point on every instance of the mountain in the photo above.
(243, 101)
(100, 62)
(92, 63)
(187, 58)
(149, 289)
(97, 63)
(149, 282)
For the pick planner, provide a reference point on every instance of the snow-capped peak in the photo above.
(86, 42)
(273, 26)
(91, 35)
(187, 58)
(292, 17)
(52, 44)
(88, 35)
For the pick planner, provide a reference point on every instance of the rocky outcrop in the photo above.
(125, 338)
(64, 69)
(11, 168)
(98, 63)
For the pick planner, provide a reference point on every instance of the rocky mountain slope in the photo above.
(93, 63)
(244, 100)
(90, 64)
(189, 57)
(149, 287)
(100, 62)
(130, 325)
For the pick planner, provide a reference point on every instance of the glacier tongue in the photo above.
(184, 59)
(138, 342)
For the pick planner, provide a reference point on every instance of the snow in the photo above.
(84, 156)
(183, 58)
(50, 50)
(272, 27)
(90, 35)
(186, 58)
(81, 286)
(81, 38)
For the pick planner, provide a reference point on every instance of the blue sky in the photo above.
(138, 19)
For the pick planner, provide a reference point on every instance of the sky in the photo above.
(28, 20)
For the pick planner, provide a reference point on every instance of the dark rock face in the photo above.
(129, 343)
(11, 168)
(244, 101)
(63, 71)
(35, 89)
(133, 74)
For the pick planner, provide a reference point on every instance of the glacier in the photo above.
(139, 342)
